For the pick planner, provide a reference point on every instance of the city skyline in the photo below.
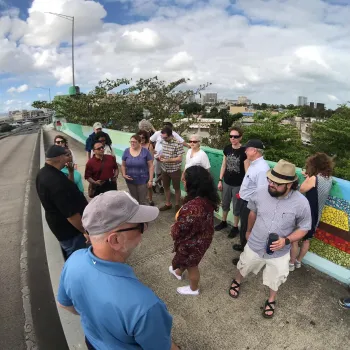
(272, 51)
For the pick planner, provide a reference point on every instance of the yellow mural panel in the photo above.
(335, 217)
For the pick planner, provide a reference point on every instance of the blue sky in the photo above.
(269, 50)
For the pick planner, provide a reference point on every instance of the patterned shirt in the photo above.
(277, 215)
(171, 149)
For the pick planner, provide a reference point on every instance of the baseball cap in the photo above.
(55, 151)
(97, 125)
(167, 120)
(254, 143)
(113, 208)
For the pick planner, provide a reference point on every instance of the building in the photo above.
(190, 99)
(320, 106)
(20, 115)
(302, 101)
(243, 100)
(210, 98)
(312, 105)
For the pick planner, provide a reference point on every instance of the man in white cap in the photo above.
(97, 127)
(279, 215)
(117, 311)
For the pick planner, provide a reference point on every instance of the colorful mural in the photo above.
(332, 240)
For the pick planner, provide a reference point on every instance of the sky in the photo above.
(271, 51)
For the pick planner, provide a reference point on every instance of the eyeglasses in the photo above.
(235, 136)
(273, 182)
(58, 142)
(99, 149)
(133, 141)
(192, 141)
(102, 140)
(68, 154)
(140, 227)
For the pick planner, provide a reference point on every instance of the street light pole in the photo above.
(68, 18)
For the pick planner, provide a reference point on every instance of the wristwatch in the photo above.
(220, 180)
(287, 241)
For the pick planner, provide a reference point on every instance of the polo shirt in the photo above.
(94, 165)
(281, 215)
(255, 177)
(61, 199)
(117, 311)
(172, 149)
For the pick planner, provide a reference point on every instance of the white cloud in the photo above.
(333, 98)
(181, 60)
(19, 89)
(271, 51)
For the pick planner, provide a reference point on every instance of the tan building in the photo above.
(238, 109)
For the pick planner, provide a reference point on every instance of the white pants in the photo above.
(276, 270)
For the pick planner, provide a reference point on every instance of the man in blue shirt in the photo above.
(97, 127)
(117, 311)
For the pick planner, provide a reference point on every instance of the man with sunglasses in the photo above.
(62, 201)
(101, 170)
(232, 173)
(279, 215)
(117, 311)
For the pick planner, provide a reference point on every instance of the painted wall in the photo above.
(332, 240)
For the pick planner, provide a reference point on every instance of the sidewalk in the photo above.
(307, 313)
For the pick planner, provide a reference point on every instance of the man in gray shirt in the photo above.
(277, 208)
(254, 178)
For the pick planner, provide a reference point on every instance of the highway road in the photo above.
(28, 315)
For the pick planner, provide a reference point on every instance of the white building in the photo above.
(302, 101)
(243, 100)
(210, 98)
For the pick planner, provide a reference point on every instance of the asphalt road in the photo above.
(16, 333)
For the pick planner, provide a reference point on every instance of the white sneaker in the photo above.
(186, 290)
(172, 271)
(297, 264)
(291, 267)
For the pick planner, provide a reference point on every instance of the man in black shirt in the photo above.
(63, 202)
(232, 172)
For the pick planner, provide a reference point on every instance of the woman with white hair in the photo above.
(196, 156)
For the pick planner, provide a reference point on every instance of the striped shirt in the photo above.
(281, 215)
(171, 149)
(254, 178)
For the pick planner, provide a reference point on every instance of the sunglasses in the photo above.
(273, 182)
(59, 142)
(99, 149)
(235, 136)
(101, 140)
(140, 227)
(193, 141)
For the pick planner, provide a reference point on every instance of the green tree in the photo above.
(6, 128)
(192, 108)
(332, 136)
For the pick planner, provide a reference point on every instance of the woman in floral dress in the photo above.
(194, 227)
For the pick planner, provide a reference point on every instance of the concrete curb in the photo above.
(70, 323)
(29, 331)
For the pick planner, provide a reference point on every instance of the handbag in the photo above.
(92, 187)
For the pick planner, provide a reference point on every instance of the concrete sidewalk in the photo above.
(307, 313)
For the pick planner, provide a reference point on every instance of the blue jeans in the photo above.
(71, 245)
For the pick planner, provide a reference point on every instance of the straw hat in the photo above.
(283, 172)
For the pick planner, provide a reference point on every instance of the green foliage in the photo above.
(6, 128)
(332, 136)
(192, 108)
(120, 103)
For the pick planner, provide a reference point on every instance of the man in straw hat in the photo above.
(275, 210)
(117, 311)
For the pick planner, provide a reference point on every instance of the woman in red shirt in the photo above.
(194, 227)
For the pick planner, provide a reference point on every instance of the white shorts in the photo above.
(157, 167)
(275, 272)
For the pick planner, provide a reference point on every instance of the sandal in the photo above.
(235, 289)
(270, 309)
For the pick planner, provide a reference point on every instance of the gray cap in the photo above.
(113, 208)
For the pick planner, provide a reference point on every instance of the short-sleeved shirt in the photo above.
(117, 311)
(199, 158)
(255, 177)
(94, 165)
(172, 149)
(61, 199)
(137, 167)
(108, 150)
(234, 172)
(77, 178)
(91, 139)
(157, 138)
(281, 215)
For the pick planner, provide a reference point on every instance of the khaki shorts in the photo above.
(276, 270)
(174, 178)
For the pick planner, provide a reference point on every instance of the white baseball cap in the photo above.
(97, 125)
(113, 208)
